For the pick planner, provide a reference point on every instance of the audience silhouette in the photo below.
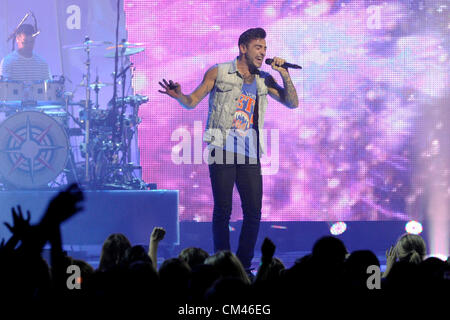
(128, 275)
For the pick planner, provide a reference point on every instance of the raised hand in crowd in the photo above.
(391, 257)
(157, 235)
(20, 224)
(63, 206)
(267, 252)
(20, 228)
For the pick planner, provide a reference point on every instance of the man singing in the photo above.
(234, 133)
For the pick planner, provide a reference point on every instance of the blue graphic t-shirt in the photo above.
(243, 137)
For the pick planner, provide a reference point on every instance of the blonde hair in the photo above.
(411, 248)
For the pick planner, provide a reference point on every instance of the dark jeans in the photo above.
(248, 180)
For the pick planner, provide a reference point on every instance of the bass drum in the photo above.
(34, 149)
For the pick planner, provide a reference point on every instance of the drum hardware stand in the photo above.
(120, 141)
(96, 89)
(73, 168)
(108, 133)
(87, 106)
(122, 130)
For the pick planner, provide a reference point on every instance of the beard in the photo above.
(250, 62)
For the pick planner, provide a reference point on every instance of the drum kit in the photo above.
(39, 121)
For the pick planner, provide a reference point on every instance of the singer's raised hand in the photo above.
(190, 101)
(171, 89)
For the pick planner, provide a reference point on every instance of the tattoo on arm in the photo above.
(286, 95)
(290, 94)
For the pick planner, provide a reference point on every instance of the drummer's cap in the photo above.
(25, 28)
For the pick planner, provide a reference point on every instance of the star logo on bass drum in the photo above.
(31, 149)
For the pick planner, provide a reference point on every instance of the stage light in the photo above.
(338, 228)
(413, 227)
(443, 257)
(274, 226)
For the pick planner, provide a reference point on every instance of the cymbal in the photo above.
(128, 52)
(89, 43)
(99, 85)
(126, 45)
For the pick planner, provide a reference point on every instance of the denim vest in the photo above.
(223, 100)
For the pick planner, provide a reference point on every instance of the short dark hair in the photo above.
(251, 34)
(26, 28)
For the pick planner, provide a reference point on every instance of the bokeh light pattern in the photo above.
(351, 151)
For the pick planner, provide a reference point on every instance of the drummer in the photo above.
(23, 64)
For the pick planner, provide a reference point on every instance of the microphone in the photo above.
(285, 65)
(36, 31)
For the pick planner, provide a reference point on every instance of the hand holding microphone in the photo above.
(278, 63)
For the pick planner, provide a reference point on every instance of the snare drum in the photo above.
(48, 91)
(11, 90)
